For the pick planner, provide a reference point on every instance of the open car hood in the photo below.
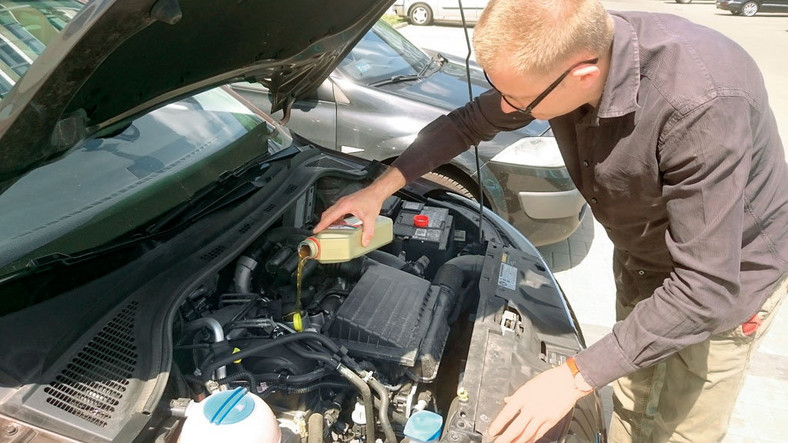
(120, 58)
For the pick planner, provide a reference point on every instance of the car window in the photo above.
(383, 53)
(26, 28)
(107, 186)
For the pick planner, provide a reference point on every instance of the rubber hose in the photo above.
(325, 357)
(310, 388)
(383, 411)
(241, 375)
(366, 398)
(453, 275)
(299, 379)
(208, 368)
(384, 258)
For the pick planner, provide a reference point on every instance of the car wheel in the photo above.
(749, 9)
(684, 2)
(450, 183)
(420, 15)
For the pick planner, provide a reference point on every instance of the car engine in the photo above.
(379, 322)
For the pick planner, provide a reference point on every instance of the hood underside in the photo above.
(118, 59)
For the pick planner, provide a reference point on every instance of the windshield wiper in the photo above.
(202, 204)
(230, 187)
(440, 59)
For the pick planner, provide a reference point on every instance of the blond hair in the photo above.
(539, 36)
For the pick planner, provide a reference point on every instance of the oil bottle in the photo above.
(338, 243)
(341, 242)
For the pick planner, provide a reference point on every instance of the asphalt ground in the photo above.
(582, 264)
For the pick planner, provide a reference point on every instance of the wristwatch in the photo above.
(580, 383)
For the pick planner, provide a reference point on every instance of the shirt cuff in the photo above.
(603, 362)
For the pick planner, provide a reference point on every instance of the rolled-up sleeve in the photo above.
(704, 159)
(449, 135)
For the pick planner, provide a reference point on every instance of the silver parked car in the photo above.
(387, 89)
(424, 12)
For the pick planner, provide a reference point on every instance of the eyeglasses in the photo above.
(527, 110)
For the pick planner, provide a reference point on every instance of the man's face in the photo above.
(545, 96)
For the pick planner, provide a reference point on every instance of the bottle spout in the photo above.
(308, 248)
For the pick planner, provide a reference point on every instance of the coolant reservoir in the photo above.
(342, 241)
(237, 416)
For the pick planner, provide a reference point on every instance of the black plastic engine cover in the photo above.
(394, 316)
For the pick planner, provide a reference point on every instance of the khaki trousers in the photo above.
(688, 397)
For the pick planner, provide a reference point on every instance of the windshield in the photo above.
(108, 186)
(381, 54)
(26, 28)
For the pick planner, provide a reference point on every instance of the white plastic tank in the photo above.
(237, 416)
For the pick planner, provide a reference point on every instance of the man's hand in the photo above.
(364, 204)
(536, 407)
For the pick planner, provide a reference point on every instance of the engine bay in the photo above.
(384, 317)
(438, 323)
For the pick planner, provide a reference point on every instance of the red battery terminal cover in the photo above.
(421, 221)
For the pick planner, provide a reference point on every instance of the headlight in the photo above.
(532, 151)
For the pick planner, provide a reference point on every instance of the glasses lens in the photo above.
(518, 108)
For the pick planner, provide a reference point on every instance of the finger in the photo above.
(329, 216)
(533, 431)
(368, 229)
(504, 417)
(523, 438)
(539, 432)
(515, 429)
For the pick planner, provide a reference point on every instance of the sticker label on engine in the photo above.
(433, 235)
(507, 277)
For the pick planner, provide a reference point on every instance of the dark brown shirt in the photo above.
(682, 164)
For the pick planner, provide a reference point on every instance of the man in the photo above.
(666, 130)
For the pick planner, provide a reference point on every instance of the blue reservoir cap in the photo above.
(424, 426)
(228, 407)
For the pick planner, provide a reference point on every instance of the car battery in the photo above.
(424, 230)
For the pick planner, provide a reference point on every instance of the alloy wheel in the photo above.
(749, 9)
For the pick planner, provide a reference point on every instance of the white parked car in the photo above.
(424, 12)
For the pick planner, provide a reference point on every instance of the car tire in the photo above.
(420, 15)
(450, 183)
(749, 9)
(683, 2)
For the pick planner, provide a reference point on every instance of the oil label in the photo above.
(507, 277)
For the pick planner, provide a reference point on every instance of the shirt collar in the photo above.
(619, 96)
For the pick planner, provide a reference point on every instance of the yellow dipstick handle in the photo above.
(297, 325)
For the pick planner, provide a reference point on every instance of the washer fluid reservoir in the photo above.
(234, 416)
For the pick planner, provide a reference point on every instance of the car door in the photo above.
(473, 8)
(450, 10)
(774, 6)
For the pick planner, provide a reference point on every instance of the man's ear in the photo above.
(586, 75)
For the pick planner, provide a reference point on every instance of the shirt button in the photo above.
(593, 200)
(641, 272)
(585, 163)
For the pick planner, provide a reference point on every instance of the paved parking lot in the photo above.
(583, 262)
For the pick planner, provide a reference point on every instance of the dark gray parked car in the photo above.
(748, 8)
(149, 240)
(387, 89)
